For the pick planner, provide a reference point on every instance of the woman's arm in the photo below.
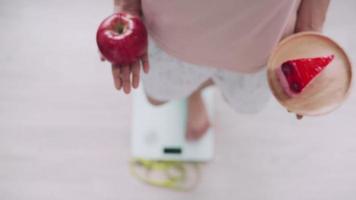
(311, 15)
(130, 6)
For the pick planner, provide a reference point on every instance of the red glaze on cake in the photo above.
(295, 75)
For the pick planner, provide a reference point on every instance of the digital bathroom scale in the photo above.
(158, 132)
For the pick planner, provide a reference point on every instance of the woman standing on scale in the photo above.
(197, 43)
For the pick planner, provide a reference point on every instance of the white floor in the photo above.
(64, 131)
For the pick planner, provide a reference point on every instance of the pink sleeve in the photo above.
(311, 15)
(131, 6)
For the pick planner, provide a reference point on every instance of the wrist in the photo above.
(308, 27)
(131, 6)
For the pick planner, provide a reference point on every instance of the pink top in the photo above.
(230, 34)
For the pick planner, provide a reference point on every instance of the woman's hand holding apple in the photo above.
(122, 40)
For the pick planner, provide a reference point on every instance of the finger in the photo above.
(116, 73)
(299, 116)
(135, 68)
(101, 56)
(145, 63)
(125, 77)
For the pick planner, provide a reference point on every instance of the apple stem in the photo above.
(120, 28)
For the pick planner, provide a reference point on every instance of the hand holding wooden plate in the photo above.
(328, 90)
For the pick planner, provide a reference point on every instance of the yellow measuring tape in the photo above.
(174, 173)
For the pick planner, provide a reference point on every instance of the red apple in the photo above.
(122, 38)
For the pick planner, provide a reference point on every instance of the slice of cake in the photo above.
(295, 75)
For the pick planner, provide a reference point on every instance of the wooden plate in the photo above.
(328, 90)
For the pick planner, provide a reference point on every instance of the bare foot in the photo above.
(198, 119)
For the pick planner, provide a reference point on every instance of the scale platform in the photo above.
(158, 132)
